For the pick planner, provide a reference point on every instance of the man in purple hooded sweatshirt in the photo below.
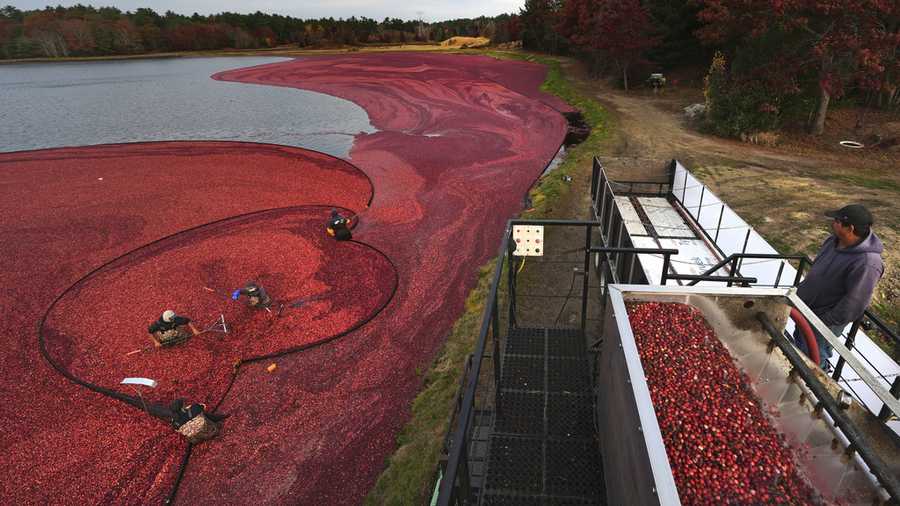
(839, 286)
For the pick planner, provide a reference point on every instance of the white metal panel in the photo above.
(731, 238)
(664, 218)
(633, 223)
(694, 255)
(652, 264)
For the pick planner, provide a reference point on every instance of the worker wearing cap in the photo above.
(256, 295)
(171, 329)
(338, 226)
(840, 283)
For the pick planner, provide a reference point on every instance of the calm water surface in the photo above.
(80, 103)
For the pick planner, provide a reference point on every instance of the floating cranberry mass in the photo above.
(460, 140)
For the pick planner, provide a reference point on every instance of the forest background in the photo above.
(771, 63)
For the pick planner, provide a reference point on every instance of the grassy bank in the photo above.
(409, 476)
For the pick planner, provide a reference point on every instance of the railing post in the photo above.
(511, 283)
(618, 244)
(746, 240)
(584, 284)
(602, 204)
(700, 207)
(631, 269)
(851, 338)
(495, 334)
(465, 485)
(665, 269)
(778, 276)
(608, 226)
(885, 413)
(719, 225)
(734, 272)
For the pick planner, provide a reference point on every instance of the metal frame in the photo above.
(650, 428)
(734, 262)
(614, 260)
(455, 486)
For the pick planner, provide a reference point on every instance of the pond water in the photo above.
(79, 103)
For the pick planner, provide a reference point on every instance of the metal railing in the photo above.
(614, 259)
(604, 207)
(456, 485)
(868, 320)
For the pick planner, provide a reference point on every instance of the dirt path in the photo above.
(782, 191)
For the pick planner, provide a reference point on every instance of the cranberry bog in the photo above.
(101, 239)
(705, 409)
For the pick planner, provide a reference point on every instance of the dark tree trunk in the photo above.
(819, 123)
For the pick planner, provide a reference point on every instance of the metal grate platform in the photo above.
(523, 372)
(543, 448)
(520, 413)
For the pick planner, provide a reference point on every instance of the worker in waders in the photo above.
(171, 329)
(193, 422)
(339, 226)
(256, 295)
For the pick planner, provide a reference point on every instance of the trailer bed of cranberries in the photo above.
(721, 446)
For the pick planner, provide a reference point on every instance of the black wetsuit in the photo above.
(257, 295)
(182, 414)
(164, 326)
(340, 227)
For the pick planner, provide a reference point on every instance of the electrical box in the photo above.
(529, 240)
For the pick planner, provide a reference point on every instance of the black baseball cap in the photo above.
(854, 214)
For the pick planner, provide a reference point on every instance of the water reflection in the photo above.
(80, 103)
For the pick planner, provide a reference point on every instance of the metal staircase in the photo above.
(543, 447)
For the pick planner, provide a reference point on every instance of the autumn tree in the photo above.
(674, 23)
(78, 35)
(617, 31)
(830, 40)
(539, 20)
(44, 28)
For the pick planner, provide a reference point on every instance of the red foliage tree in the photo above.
(616, 30)
(78, 36)
(184, 37)
(6, 30)
(831, 39)
(514, 27)
(43, 27)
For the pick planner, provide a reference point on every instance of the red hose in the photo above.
(808, 334)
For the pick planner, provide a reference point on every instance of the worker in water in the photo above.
(171, 329)
(255, 293)
(193, 422)
(840, 283)
(339, 226)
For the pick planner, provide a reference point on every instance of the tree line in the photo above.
(771, 62)
(94, 31)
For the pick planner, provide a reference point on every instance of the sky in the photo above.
(427, 10)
